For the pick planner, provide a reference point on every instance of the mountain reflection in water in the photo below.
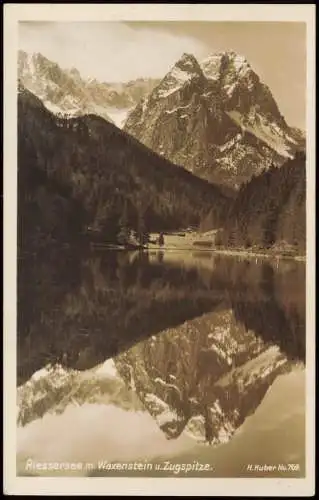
(196, 340)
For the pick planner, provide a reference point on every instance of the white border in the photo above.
(13, 13)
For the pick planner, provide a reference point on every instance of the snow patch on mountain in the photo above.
(144, 103)
(54, 388)
(180, 75)
(155, 401)
(258, 367)
(170, 111)
(225, 434)
(166, 93)
(230, 144)
(64, 91)
(195, 428)
(43, 372)
(211, 67)
(108, 368)
(240, 63)
(267, 132)
(160, 410)
(230, 89)
(166, 417)
(225, 65)
(118, 116)
(54, 108)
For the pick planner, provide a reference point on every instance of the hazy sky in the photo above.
(118, 51)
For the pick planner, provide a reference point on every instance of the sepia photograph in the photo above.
(164, 174)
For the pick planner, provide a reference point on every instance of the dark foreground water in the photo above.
(160, 364)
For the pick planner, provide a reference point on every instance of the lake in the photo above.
(160, 364)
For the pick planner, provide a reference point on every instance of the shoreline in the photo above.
(229, 252)
(232, 253)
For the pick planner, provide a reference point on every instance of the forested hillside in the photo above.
(270, 209)
(120, 185)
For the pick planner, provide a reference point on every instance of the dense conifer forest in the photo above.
(118, 185)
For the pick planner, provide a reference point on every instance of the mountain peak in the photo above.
(222, 63)
(41, 59)
(66, 91)
(184, 71)
(238, 60)
(188, 58)
(75, 73)
(231, 55)
(188, 63)
(230, 118)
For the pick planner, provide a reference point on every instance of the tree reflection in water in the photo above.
(201, 339)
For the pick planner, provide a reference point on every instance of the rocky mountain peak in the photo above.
(65, 91)
(213, 64)
(40, 59)
(185, 71)
(75, 73)
(230, 118)
(33, 61)
(242, 91)
(230, 70)
(187, 63)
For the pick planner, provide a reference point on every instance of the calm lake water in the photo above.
(134, 363)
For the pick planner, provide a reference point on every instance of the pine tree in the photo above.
(141, 234)
(161, 240)
(124, 230)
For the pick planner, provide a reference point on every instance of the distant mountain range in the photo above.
(215, 118)
(64, 91)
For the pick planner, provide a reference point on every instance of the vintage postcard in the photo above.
(159, 255)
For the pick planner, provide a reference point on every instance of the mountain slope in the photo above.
(47, 211)
(116, 180)
(66, 92)
(53, 388)
(217, 119)
(81, 306)
(204, 377)
(271, 209)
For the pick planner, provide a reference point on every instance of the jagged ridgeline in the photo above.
(100, 178)
(66, 91)
(270, 209)
(217, 119)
